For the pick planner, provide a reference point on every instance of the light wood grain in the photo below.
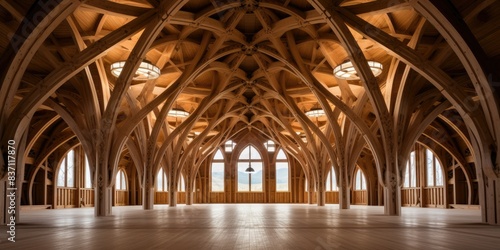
(254, 226)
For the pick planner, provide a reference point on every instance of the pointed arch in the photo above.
(161, 181)
(66, 171)
(250, 182)
(217, 175)
(331, 180)
(121, 180)
(359, 180)
(282, 172)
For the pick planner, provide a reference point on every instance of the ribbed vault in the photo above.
(249, 70)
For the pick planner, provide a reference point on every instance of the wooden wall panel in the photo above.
(161, 197)
(332, 197)
(121, 198)
(282, 197)
(217, 197)
(249, 197)
(359, 197)
(181, 197)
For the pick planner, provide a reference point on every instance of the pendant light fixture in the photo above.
(347, 71)
(250, 170)
(146, 70)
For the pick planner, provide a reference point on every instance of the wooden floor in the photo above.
(253, 226)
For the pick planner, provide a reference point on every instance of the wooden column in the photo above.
(320, 194)
(148, 192)
(103, 193)
(172, 190)
(189, 195)
(310, 190)
(392, 192)
(344, 190)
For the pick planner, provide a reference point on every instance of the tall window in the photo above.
(161, 181)
(433, 169)
(121, 181)
(218, 172)
(281, 172)
(331, 181)
(359, 181)
(88, 180)
(411, 172)
(182, 185)
(251, 182)
(66, 173)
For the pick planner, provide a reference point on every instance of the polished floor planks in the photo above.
(253, 226)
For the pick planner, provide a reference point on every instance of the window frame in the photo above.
(433, 170)
(87, 174)
(163, 181)
(121, 178)
(246, 162)
(63, 167)
(362, 179)
(217, 160)
(282, 160)
(410, 178)
(331, 181)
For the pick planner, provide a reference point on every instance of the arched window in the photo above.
(182, 185)
(87, 178)
(251, 182)
(411, 172)
(66, 173)
(331, 181)
(218, 172)
(359, 181)
(121, 180)
(282, 177)
(433, 168)
(161, 181)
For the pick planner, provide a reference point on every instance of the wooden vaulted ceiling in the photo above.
(240, 66)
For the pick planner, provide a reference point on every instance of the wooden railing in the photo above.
(410, 197)
(434, 197)
(66, 197)
(87, 197)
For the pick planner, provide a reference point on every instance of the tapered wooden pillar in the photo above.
(310, 190)
(189, 195)
(320, 192)
(148, 192)
(102, 192)
(102, 201)
(344, 191)
(172, 197)
(344, 197)
(392, 194)
(489, 192)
